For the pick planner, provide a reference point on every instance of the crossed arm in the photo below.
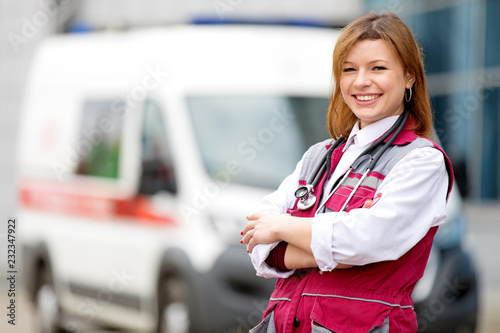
(385, 231)
(296, 231)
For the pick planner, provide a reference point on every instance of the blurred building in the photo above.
(461, 47)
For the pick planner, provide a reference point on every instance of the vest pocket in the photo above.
(317, 328)
(341, 314)
(338, 199)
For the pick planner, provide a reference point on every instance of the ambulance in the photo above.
(140, 154)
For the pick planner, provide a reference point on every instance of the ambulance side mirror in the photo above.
(157, 176)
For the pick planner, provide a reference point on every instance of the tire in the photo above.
(175, 313)
(46, 306)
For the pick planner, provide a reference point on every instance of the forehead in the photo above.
(370, 50)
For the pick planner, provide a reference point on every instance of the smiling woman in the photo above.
(350, 261)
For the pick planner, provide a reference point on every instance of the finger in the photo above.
(249, 226)
(247, 237)
(255, 216)
(251, 245)
(368, 204)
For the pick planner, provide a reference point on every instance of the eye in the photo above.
(348, 69)
(379, 68)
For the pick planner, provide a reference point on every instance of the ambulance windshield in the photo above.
(257, 139)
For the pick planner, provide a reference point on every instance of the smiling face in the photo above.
(373, 81)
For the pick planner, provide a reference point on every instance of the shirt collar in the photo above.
(362, 137)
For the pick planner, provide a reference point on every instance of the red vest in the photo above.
(357, 299)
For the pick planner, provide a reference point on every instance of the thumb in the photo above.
(368, 204)
(255, 216)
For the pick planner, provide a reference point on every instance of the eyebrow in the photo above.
(371, 62)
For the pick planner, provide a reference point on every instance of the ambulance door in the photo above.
(116, 245)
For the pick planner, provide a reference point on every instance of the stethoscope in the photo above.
(305, 193)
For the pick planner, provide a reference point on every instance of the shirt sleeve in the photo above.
(413, 199)
(277, 202)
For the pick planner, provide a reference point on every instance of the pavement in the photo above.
(483, 240)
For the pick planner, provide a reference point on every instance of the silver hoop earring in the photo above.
(408, 99)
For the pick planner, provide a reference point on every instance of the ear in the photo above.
(410, 80)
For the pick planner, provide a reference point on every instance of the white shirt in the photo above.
(413, 199)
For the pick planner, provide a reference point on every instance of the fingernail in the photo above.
(241, 233)
(241, 242)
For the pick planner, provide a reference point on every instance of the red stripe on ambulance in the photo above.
(138, 208)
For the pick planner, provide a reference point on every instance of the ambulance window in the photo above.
(100, 138)
(157, 165)
(256, 140)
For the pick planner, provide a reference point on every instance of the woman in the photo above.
(349, 262)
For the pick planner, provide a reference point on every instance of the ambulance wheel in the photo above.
(174, 306)
(47, 312)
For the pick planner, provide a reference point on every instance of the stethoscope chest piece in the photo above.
(305, 196)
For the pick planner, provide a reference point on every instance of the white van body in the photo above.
(106, 248)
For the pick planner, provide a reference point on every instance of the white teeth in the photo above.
(367, 97)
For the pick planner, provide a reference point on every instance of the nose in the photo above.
(362, 79)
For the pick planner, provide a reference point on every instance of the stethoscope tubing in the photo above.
(321, 166)
(395, 130)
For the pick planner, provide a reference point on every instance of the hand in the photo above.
(262, 229)
(370, 203)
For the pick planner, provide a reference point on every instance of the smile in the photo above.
(366, 97)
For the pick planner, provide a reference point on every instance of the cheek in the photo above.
(396, 87)
(344, 86)
(399, 90)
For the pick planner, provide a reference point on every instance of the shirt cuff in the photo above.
(321, 240)
(259, 255)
